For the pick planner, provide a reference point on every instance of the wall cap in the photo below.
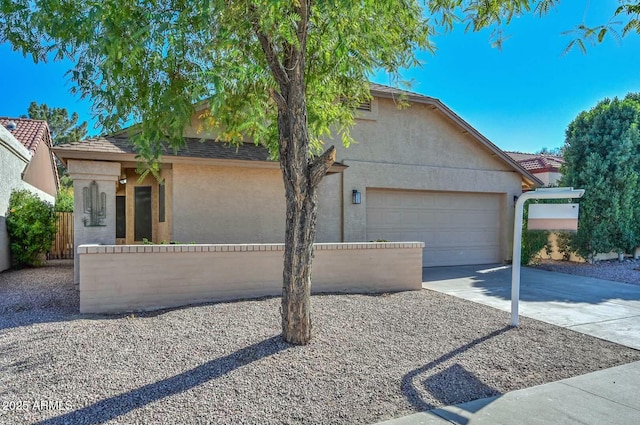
(125, 249)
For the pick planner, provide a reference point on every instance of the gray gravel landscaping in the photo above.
(627, 271)
(371, 358)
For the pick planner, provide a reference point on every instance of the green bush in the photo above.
(532, 240)
(64, 200)
(31, 226)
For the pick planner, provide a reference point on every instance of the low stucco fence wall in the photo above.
(122, 278)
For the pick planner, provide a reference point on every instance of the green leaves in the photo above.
(602, 156)
(31, 227)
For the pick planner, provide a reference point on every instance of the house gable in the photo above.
(41, 171)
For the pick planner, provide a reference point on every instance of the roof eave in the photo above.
(66, 154)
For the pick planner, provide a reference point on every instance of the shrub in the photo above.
(532, 240)
(31, 226)
(64, 200)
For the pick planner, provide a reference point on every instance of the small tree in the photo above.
(31, 226)
(64, 200)
(602, 156)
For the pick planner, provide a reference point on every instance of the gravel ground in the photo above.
(626, 271)
(372, 358)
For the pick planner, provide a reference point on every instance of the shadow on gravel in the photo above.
(451, 386)
(536, 284)
(124, 403)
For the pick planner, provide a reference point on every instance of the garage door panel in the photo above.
(457, 228)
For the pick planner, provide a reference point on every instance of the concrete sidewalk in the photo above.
(606, 397)
(601, 308)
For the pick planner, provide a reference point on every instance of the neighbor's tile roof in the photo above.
(193, 148)
(28, 132)
(537, 162)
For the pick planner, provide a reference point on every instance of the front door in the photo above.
(142, 213)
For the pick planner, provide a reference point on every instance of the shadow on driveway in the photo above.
(536, 285)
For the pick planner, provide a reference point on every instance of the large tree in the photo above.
(283, 73)
(602, 155)
(63, 128)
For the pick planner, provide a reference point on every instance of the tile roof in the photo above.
(537, 162)
(193, 148)
(28, 132)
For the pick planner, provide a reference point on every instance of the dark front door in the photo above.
(142, 213)
(121, 217)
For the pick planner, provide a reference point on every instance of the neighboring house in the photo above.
(26, 162)
(544, 166)
(421, 173)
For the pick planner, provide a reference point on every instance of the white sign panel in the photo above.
(553, 217)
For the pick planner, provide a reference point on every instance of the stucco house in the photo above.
(545, 167)
(26, 162)
(418, 173)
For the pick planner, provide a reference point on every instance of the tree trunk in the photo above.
(301, 172)
(302, 175)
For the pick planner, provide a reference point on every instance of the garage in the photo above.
(458, 228)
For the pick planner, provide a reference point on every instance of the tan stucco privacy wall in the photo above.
(14, 158)
(120, 278)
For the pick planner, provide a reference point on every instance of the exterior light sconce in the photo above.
(123, 180)
(355, 197)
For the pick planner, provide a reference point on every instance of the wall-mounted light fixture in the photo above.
(355, 197)
(123, 180)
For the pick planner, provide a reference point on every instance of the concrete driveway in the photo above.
(601, 308)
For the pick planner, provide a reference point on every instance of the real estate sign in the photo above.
(553, 217)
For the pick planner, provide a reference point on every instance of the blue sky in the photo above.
(522, 97)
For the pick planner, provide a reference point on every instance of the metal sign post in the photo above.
(546, 193)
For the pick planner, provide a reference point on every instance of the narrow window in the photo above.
(161, 203)
(121, 216)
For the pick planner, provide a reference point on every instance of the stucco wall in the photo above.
(213, 204)
(40, 171)
(549, 178)
(413, 148)
(105, 174)
(418, 148)
(122, 278)
(14, 157)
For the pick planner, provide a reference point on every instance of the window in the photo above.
(121, 216)
(161, 203)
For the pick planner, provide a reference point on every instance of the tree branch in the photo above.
(319, 167)
(276, 67)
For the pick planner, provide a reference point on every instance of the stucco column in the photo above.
(94, 204)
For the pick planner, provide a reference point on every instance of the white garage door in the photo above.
(457, 228)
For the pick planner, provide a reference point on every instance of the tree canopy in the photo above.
(602, 156)
(281, 73)
(63, 128)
